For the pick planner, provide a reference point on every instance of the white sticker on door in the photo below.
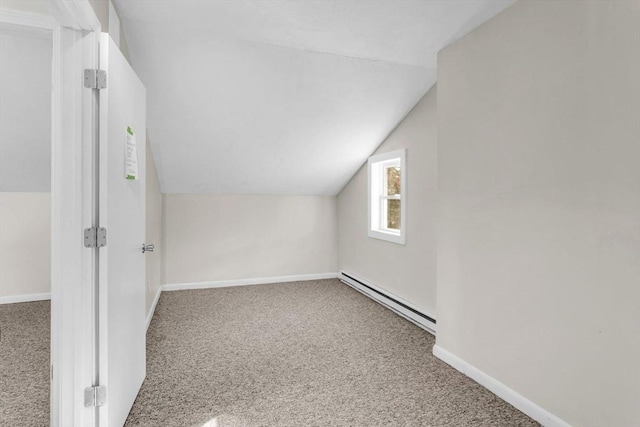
(131, 156)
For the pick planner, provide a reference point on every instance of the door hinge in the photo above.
(95, 79)
(95, 396)
(95, 237)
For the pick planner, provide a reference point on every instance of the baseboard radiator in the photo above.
(392, 302)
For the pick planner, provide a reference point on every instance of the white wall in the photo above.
(407, 271)
(539, 179)
(25, 109)
(104, 10)
(25, 160)
(222, 237)
(25, 243)
(153, 232)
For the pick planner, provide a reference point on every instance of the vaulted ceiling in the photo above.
(281, 96)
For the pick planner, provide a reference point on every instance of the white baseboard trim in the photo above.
(396, 304)
(245, 282)
(512, 397)
(12, 299)
(152, 309)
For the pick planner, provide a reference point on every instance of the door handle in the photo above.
(148, 248)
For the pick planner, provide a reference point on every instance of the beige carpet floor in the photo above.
(314, 353)
(24, 364)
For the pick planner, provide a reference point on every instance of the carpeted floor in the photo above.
(314, 353)
(24, 364)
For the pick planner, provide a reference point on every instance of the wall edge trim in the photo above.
(248, 281)
(501, 390)
(152, 309)
(27, 19)
(12, 299)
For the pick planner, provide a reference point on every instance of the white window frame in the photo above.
(376, 197)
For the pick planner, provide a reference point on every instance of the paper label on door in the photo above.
(131, 156)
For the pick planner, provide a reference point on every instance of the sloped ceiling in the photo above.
(282, 97)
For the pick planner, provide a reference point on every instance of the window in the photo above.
(387, 196)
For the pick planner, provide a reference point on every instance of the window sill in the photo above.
(388, 236)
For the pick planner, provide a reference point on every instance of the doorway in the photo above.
(25, 222)
(63, 174)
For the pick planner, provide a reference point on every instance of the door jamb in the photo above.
(74, 138)
(76, 31)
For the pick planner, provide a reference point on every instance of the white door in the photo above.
(122, 346)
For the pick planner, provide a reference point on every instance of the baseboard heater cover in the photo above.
(393, 303)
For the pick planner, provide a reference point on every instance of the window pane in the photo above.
(393, 214)
(393, 180)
